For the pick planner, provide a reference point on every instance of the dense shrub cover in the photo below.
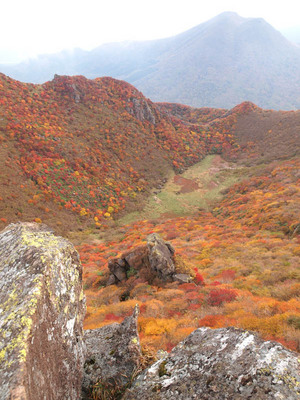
(246, 263)
(77, 153)
(93, 146)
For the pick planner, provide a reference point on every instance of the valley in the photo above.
(195, 189)
(243, 254)
(104, 166)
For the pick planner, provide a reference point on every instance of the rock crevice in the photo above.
(113, 357)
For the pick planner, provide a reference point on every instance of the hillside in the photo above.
(97, 161)
(219, 63)
(82, 151)
(86, 151)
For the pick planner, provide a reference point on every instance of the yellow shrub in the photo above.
(159, 326)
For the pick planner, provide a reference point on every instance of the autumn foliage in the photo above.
(93, 146)
(246, 266)
(87, 151)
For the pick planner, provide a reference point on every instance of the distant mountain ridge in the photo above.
(219, 63)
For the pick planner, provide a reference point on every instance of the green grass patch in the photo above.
(212, 175)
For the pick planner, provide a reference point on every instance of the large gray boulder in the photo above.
(42, 307)
(133, 260)
(161, 257)
(113, 357)
(152, 260)
(221, 364)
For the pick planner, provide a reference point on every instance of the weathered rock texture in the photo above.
(113, 355)
(154, 259)
(221, 364)
(130, 262)
(161, 256)
(41, 313)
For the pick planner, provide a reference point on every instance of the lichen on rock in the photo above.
(161, 256)
(113, 356)
(221, 364)
(155, 259)
(42, 307)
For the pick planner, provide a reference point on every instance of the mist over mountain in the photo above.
(292, 34)
(219, 63)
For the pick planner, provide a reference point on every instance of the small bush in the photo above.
(199, 280)
(217, 297)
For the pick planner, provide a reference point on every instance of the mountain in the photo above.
(220, 63)
(85, 151)
(99, 162)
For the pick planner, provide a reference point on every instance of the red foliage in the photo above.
(228, 275)
(111, 317)
(75, 138)
(199, 280)
(215, 283)
(217, 297)
(210, 320)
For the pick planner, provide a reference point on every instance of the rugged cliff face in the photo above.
(42, 309)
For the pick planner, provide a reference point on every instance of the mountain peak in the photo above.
(234, 18)
(219, 63)
(228, 15)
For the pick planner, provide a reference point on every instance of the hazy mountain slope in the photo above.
(220, 63)
(225, 61)
(45, 66)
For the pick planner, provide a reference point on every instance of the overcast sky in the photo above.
(31, 27)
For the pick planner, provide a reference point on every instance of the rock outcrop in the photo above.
(154, 259)
(42, 307)
(141, 110)
(221, 364)
(161, 256)
(113, 356)
(131, 261)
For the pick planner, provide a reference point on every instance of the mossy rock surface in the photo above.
(42, 308)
